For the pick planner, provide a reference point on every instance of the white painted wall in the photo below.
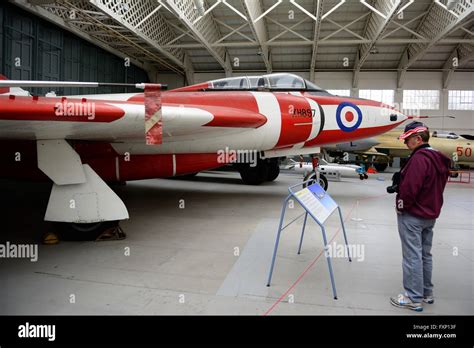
(463, 123)
(464, 119)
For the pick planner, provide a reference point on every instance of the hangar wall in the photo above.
(34, 49)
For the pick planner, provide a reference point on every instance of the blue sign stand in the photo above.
(319, 205)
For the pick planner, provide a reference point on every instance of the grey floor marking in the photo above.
(249, 274)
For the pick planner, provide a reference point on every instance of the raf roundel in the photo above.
(348, 116)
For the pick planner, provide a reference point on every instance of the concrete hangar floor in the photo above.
(213, 256)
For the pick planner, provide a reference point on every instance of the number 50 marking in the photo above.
(467, 152)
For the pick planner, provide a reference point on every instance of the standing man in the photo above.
(418, 204)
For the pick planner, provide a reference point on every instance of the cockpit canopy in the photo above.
(281, 81)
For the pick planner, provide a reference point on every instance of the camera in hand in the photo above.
(395, 182)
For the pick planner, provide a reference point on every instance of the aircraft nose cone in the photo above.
(392, 115)
(402, 117)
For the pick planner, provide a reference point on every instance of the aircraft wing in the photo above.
(467, 136)
(372, 151)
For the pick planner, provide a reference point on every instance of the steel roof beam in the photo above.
(259, 30)
(155, 34)
(375, 27)
(317, 29)
(437, 24)
(335, 42)
(462, 54)
(203, 28)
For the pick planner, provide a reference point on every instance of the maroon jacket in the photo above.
(422, 183)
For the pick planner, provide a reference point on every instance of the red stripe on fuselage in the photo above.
(57, 109)
(296, 119)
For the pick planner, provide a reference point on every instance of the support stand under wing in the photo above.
(78, 195)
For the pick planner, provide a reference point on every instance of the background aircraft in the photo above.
(82, 142)
(381, 150)
(327, 171)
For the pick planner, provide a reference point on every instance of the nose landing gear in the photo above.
(315, 175)
(323, 181)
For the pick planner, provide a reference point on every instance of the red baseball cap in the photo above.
(413, 128)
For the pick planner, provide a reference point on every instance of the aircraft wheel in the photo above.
(86, 228)
(323, 182)
(361, 177)
(273, 170)
(380, 166)
(254, 175)
(366, 176)
(84, 232)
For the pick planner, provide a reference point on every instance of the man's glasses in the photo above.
(411, 136)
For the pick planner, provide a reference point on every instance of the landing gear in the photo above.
(94, 227)
(313, 175)
(103, 230)
(381, 166)
(264, 170)
(273, 169)
(453, 174)
(323, 182)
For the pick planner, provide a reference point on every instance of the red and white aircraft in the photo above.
(82, 142)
